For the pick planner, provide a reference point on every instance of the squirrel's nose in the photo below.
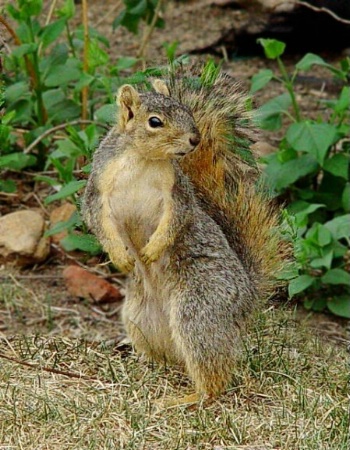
(195, 140)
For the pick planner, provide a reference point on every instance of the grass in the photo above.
(61, 391)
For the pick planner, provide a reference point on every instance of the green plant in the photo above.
(137, 10)
(57, 89)
(311, 170)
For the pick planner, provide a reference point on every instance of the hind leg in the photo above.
(205, 325)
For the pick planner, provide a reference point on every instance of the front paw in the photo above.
(152, 251)
(124, 263)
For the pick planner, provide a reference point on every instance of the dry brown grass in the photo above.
(289, 389)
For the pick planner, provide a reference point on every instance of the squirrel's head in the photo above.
(158, 126)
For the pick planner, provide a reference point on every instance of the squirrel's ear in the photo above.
(128, 100)
(161, 87)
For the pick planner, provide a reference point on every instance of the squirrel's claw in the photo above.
(125, 264)
(150, 253)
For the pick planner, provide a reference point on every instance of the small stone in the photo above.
(21, 238)
(61, 214)
(83, 284)
(262, 148)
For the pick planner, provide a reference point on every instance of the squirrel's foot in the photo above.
(152, 251)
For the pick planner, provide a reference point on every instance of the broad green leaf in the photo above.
(319, 234)
(269, 115)
(125, 63)
(58, 107)
(336, 276)
(24, 112)
(139, 9)
(315, 304)
(16, 91)
(302, 217)
(62, 74)
(300, 284)
(24, 49)
(51, 32)
(260, 80)
(73, 221)
(67, 10)
(340, 306)
(280, 176)
(29, 8)
(84, 242)
(7, 118)
(129, 21)
(323, 261)
(343, 102)
(337, 165)
(51, 97)
(96, 56)
(5, 133)
(17, 161)
(8, 186)
(339, 227)
(314, 138)
(85, 80)
(58, 56)
(13, 12)
(305, 208)
(65, 149)
(272, 47)
(106, 114)
(309, 60)
(63, 111)
(345, 199)
(66, 191)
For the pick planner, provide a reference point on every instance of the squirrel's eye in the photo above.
(155, 122)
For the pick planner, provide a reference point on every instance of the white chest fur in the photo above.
(135, 193)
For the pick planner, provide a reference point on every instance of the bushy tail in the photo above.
(225, 172)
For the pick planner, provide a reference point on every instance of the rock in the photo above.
(21, 238)
(61, 214)
(262, 148)
(83, 284)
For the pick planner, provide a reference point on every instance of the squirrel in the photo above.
(168, 200)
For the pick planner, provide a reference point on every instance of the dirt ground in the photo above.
(44, 304)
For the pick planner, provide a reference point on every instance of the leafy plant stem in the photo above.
(36, 82)
(10, 30)
(289, 86)
(28, 63)
(149, 31)
(47, 21)
(85, 89)
(70, 40)
(60, 127)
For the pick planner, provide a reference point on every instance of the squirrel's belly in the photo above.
(147, 322)
(140, 209)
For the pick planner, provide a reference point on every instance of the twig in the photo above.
(85, 89)
(48, 369)
(47, 21)
(29, 65)
(149, 30)
(32, 277)
(325, 10)
(60, 127)
(10, 30)
(109, 13)
(314, 8)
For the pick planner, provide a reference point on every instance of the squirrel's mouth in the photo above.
(185, 153)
